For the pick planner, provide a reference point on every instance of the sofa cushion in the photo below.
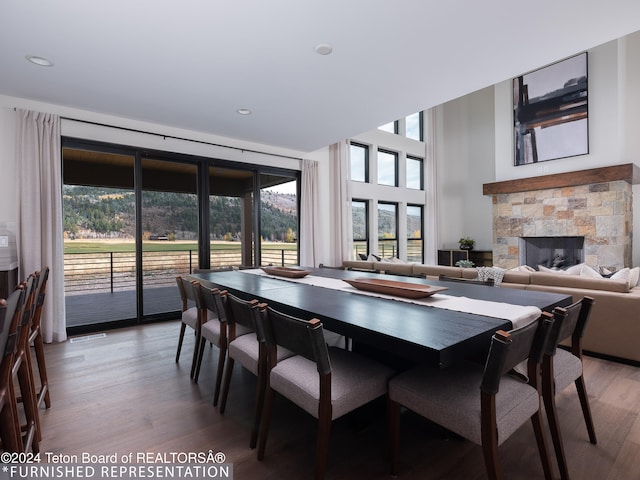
(395, 268)
(358, 264)
(518, 277)
(436, 270)
(576, 281)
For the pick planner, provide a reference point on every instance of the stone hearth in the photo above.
(599, 211)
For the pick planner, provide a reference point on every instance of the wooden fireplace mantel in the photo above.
(629, 172)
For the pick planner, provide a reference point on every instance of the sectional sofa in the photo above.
(614, 326)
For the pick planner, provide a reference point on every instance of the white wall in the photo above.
(630, 124)
(8, 204)
(465, 161)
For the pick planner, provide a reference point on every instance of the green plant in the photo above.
(467, 242)
(465, 264)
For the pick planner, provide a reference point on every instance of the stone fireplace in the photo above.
(595, 205)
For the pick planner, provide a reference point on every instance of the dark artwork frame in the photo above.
(551, 111)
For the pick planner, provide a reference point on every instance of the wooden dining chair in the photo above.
(35, 339)
(486, 404)
(190, 318)
(10, 313)
(562, 367)
(213, 331)
(22, 371)
(488, 282)
(326, 382)
(246, 345)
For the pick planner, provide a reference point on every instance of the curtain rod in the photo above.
(173, 137)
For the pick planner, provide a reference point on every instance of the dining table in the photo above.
(388, 324)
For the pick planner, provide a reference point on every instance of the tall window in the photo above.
(413, 126)
(359, 217)
(359, 162)
(387, 230)
(395, 191)
(415, 242)
(415, 175)
(387, 168)
(391, 127)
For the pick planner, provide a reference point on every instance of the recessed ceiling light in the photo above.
(40, 61)
(244, 111)
(323, 49)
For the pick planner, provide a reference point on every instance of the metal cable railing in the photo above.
(116, 271)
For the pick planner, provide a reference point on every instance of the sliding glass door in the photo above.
(168, 231)
(99, 216)
(279, 224)
(135, 219)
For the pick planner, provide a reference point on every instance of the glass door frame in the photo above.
(203, 194)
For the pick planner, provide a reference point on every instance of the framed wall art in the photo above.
(550, 112)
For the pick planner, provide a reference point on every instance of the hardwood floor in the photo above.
(123, 393)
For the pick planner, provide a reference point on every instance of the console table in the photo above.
(480, 258)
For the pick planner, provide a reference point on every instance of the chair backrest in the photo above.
(240, 312)
(196, 294)
(30, 292)
(508, 349)
(187, 293)
(302, 337)
(213, 301)
(489, 281)
(11, 320)
(10, 315)
(570, 321)
(41, 288)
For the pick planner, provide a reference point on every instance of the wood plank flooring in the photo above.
(124, 393)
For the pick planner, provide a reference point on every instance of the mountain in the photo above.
(94, 212)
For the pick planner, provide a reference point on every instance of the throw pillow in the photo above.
(574, 269)
(542, 268)
(634, 277)
(373, 258)
(622, 274)
(395, 260)
(496, 273)
(589, 272)
(523, 268)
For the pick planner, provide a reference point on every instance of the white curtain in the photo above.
(309, 215)
(39, 238)
(342, 234)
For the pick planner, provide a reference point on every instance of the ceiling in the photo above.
(192, 64)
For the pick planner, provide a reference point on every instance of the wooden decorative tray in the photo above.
(392, 287)
(289, 272)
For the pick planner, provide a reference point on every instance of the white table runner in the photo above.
(518, 315)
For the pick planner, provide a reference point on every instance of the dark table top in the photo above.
(414, 332)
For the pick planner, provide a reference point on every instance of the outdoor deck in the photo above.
(99, 308)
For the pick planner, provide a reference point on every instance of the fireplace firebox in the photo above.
(551, 252)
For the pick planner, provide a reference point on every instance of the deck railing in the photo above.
(116, 271)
